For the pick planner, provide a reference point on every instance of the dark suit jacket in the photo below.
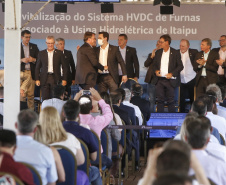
(131, 113)
(114, 57)
(175, 65)
(211, 67)
(150, 72)
(122, 114)
(71, 66)
(87, 63)
(144, 106)
(33, 49)
(224, 64)
(132, 63)
(41, 70)
(192, 54)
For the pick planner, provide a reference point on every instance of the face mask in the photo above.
(100, 42)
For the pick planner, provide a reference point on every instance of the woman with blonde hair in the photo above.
(53, 133)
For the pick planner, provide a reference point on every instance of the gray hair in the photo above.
(60, 39)
(27, 121)
(215, 88)
(127, 94)
(50, 37)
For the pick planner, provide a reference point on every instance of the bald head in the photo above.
(184, 45)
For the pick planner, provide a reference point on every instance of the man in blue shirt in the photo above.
(32, 152)
(71, 111)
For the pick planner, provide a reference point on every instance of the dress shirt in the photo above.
(50, 61)
(54, 102)
(165, 62)
(123, 53)
(216, 149)
(214, 168)
(103, 57)
(72, 143)
(38, 155)
(187, 74)
(26, 55)
(137, 111)
(205, 58)
(223, 57)
(218, 122)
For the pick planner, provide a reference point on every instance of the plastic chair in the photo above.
(11, 176)
(69, 163)
(85, 166)
(37, 178)
(222, 141)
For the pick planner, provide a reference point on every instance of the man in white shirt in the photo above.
(167, 68)
(206, 67)
(32, 152)
(221, 62)
(197, 135)
(57, 100)
(136, 108)
(187, 75)
(109, 56)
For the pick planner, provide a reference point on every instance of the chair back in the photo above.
(37, 178)
(69, 163)
(104, 141)
(9, 179)
(222, 141)
(98, 159)
(85, 166)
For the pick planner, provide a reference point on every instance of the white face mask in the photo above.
(100, 42)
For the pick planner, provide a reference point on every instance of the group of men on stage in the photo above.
(107, 66)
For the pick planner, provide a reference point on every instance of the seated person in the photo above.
(53, 133)
(97, 123)
(57, 100)
(32, 152)
(8, 165)
(71, 111)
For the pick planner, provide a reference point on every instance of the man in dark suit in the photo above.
(206, 67)
(48, 68)
(188, 74)
(167, 68)
(87, 63)
(222, 64)
(110, 57)
(60, 44)
(29, 54)
(150, 75)
(129, 56)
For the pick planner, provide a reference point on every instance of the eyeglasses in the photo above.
(161, 42)
(27, 37)
(49, 43)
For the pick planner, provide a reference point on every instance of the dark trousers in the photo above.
(186, 89)
(47, 88)
(106, 82)
(164, 92)
(201, 86)
(222, 84)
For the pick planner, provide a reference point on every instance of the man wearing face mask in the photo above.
(109, 56)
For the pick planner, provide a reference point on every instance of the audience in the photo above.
(96, 123)
(71, 111)
(59, 165)
(32, 152)
(8, 165)
(57, 100)
(112, 133)
(53, 133)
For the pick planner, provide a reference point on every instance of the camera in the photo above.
(86, 92)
